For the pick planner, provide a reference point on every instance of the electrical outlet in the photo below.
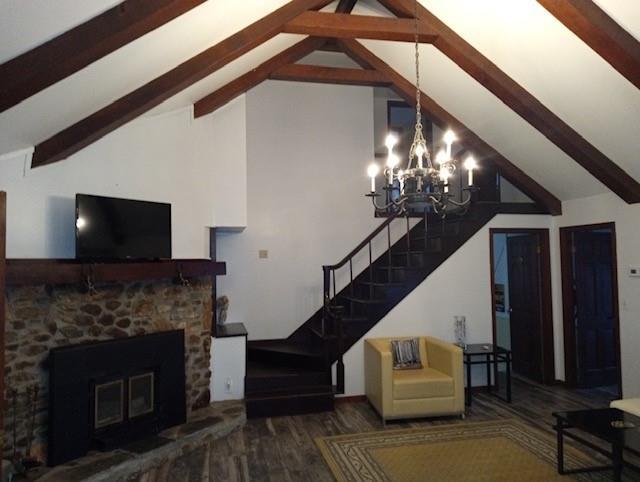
(263, 254)
(227, 385)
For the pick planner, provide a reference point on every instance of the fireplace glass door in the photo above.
(141, 395)
(109, 403)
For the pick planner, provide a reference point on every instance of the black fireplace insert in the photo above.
(106, 394)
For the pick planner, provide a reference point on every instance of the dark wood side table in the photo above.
(491, 356)
(618, 429)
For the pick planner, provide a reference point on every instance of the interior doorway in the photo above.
(521, 297)
(590, 307)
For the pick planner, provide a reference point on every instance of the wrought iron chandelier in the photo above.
(421, 183)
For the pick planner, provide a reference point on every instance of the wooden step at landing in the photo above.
(285, 353)
(290, 402)
(261, 377)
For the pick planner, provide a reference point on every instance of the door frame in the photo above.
(546, 308)
(566, 274)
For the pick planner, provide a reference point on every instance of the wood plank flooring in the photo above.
(283, 449)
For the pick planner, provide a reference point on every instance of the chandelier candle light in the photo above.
(421, 182)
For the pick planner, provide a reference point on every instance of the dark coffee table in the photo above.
(619, 429)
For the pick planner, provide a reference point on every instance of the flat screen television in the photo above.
(115, 229)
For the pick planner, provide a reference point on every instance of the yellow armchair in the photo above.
(435, 389)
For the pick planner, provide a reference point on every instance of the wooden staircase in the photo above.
(293, 375)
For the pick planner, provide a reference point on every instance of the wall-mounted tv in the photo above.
(114, 229)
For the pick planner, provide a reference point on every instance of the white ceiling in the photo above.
(520, 36)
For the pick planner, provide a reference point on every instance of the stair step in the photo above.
(278, 404)
(410, 268)
(263, 376)
(285, 353)
(381, 284)
(364, 301)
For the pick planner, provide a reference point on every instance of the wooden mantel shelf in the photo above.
(70, 271)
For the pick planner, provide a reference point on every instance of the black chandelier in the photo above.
(422, 182)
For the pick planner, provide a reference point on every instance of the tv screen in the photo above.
(111, 228)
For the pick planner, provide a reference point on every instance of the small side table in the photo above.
(489, 355)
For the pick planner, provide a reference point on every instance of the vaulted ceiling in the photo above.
(522, 38)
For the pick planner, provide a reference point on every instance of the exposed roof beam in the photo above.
(239, 86)
(123, 110)
(330, 75)
(522, 102)
(345, 6)
(440, 116)
(600, 32)
(342, 25)
(43, 66)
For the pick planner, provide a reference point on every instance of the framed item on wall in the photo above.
(498, 294)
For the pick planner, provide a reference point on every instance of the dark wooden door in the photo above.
(3, 266)
(594, 308)
(523, 253)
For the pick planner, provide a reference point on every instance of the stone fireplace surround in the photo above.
(41, 317)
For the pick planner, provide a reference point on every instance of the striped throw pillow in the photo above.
(406, 354)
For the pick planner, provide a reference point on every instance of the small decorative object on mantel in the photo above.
(222, 307)
(460, 328)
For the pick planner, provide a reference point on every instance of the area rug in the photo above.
(504, 450)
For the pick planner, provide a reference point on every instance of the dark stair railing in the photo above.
(331, 322)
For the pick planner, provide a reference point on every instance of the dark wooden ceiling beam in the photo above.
(444, 119)
(341, 25)
(345, 6)
(245, 82)
(141, 100)
(600, 32)
(62, 56)
(522, 102)
(330, 75)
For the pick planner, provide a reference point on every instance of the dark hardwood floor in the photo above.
(283, 448)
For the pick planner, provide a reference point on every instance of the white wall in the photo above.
(308, 148)
(228, 368)
(170, 157)
(460, 286)
(609, 208)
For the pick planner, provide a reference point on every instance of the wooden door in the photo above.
(525, 315)
(594, 308)
(3, 233)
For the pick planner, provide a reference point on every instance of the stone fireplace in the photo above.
(42, 318)
(106, 394)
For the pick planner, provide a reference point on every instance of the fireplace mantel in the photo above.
(21, 272)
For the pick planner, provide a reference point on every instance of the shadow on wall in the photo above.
(60, 230)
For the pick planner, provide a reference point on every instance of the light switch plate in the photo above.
(634, 271)
(263, 254)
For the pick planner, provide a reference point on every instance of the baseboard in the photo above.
(351, 399)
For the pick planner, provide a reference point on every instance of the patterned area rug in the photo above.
(504, 450)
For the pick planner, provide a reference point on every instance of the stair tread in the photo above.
(363, 300)
(267, 370)
(290, 392)
(283, 346)
(380, 283)
(412, 268)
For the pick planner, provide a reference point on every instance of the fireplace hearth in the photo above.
(109, 393)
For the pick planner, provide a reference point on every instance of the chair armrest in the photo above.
(447, 358)
(443, 356)
(379, 375)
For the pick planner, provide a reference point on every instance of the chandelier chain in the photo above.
(418, 107)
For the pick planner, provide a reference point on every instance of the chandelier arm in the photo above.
(393, 203)
(464, 202)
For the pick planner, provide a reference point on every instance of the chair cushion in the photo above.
(629, 405)
(423, 383)
(406, 354)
